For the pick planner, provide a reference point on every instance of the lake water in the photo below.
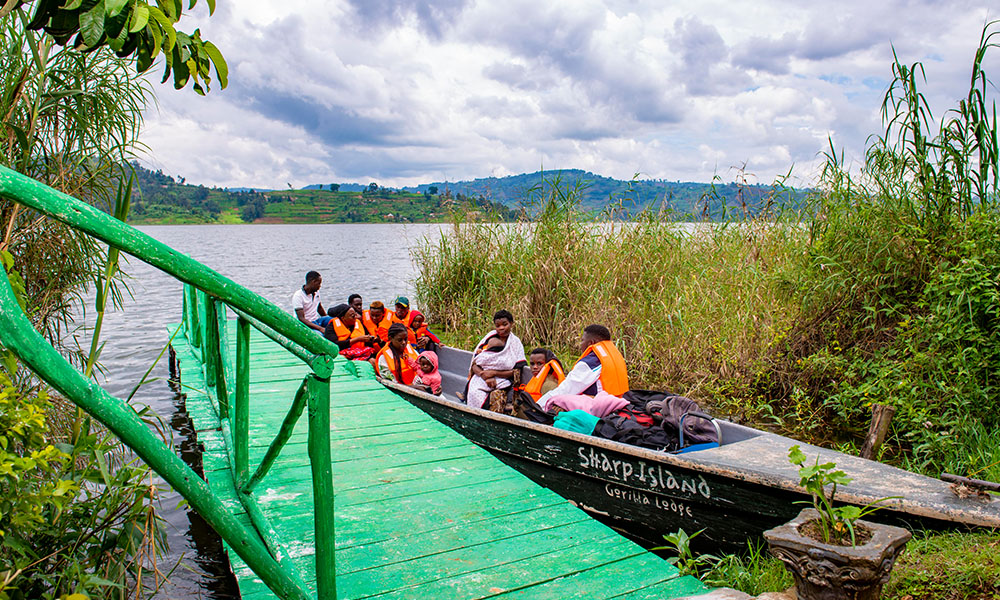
(372, 260)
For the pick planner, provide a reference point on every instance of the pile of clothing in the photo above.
(644, 418)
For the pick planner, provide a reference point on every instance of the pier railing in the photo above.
(207, 294)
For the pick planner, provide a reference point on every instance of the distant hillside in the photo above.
(161, 199)
(597, 192)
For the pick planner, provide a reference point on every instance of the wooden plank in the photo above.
(420, 512)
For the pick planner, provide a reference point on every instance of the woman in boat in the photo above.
(546, 372)
(391, 360)
(496, 359)
(346, 331)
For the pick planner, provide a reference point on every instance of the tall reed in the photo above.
(677, 297)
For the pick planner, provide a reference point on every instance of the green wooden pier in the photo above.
(420, 511)
(364, 496)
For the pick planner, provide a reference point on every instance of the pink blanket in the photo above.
(600, 405)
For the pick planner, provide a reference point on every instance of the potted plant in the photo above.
(830, 551)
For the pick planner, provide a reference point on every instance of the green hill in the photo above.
(162, 199)
(686, 199)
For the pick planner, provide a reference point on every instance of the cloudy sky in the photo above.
(403, 92)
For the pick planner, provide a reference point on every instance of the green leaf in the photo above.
(211, 9)
(167, 27)
(113, 7)
(140, 17)
(796, 456)
(92, 25)
(221, 68)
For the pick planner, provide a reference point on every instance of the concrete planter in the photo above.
(832, 572)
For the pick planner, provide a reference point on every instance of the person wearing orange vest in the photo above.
(390, 360)
(546, 372)
(377, 322)
(421, 337)
(600, 368)
(405, 316)
(345, 330)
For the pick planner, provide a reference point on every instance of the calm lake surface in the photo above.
(373, 260)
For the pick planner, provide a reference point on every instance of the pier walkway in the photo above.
(420, 511)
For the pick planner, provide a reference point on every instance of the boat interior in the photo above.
(454, 368)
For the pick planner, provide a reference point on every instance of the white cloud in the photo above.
(408, 92)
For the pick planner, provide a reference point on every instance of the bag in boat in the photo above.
(667, 409)
(627, 431)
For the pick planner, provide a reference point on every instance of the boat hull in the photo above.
(732, 493)
(643, 498)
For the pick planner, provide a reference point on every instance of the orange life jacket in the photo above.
(534, 387)
(408, 322)
(403, 370)
(380, 329)
(614, 374)
(344, 334)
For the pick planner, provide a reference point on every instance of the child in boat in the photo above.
(423, 339)
(426, 367)
(546, 372)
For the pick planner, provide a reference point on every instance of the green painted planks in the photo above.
(420, 511)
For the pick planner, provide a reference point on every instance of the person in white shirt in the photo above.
(306, 303)
(600, 368)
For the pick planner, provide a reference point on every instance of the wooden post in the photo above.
(241, 402)
(209, 338)
(322, 477)
(219, 331)
(881, 418)
(194, 323)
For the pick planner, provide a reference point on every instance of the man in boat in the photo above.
(306, 303)
(354, 301)
(600, 368)
(404, 315)
(377, 322)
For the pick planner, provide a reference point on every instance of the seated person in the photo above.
(546, 372)
(422, 338)
(598, 379)
(355, 302)
(376, 322)
(346, 331)
(390, 361)
(402, 314)
(306, 304)
(426, 367)
(496, 360)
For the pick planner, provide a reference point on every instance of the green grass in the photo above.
(934, 566)
(952, 566)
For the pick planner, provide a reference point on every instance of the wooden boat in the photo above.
(734, 491)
